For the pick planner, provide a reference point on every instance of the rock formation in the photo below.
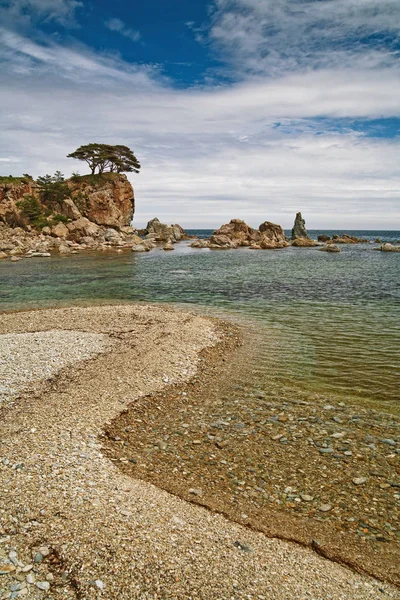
(329, 248)
(237, 234)
(106, 199)
(388, 248)
(299, 228)
(303, 242)
(348, 239)
(159, 232)
(96, 215)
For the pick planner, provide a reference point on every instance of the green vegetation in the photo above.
(4, 179)
(107, 158)
(32, 210)
(53, 189)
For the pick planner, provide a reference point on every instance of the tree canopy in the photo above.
(107, 158)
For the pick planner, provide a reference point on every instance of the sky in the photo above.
(251, 109)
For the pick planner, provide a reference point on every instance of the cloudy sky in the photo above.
(252, 109)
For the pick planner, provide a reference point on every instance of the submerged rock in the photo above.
(299, 228)
(330, 248)
(302, 242)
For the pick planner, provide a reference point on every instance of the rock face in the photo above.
(271, 236)
(160, 232)
(96, 215)
(299, 228)
(106, 200)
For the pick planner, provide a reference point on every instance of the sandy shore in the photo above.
(73, 526)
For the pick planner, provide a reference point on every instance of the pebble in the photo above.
(99, 584)
(359, 480)
(306, 497)
(38, 557)
(43, 585)
(325, 507)
(389, 442)
(196, 491)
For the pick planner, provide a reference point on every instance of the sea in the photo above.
(327, 323)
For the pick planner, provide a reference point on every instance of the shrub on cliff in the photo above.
(107, 158)
(53, 189)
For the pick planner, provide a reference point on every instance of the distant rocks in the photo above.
(160, 232)
(330, 248)
(389, 248)
(324, 238)
(299, 228)
(237, 233)
(348, 239)
(304, 242)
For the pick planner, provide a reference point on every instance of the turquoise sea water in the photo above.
(327, 322)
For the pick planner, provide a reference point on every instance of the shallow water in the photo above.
(328, 323)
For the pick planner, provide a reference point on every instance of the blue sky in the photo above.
(236, 108)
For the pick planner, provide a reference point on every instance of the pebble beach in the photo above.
(75, 523)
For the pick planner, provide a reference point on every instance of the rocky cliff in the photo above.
(106, 200)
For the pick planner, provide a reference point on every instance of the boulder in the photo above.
(82, 227)
(329, 248)
(140, 248)
(347, 239)
(60, 230)
(3, 255)
(70, 210)
(237, 232)
(389, 248)
(168, 246)
(324, 238)
(222, 241)
(299, 228)
(271, 236)
(200, 244)
(160, 232)
(304, 243)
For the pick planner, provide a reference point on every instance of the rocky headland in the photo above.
(90, 212)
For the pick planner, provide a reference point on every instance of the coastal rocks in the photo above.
(222, 241)
(160, 232)
(330, 248)
(233, 234)
(237, 234)
(70, 210)
(299, 229)
(347, 239)
(82, 227)
(271, 236)
(200, 244)
(60, 230)
(302, 242)
(106, 199)
(168, 246)
(324, 238)
(389, 248)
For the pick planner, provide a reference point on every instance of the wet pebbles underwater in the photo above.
(292, 464)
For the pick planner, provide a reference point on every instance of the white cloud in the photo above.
(23, 11)
(268, 36)
(211, 153)
(120, 27)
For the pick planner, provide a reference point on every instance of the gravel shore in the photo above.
(72, 525)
